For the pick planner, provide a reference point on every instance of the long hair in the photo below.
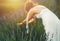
(28, 5)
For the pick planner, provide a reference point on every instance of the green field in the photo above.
(9, 31)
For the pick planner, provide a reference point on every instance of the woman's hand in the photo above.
(24, 21)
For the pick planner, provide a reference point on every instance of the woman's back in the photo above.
(50, 21)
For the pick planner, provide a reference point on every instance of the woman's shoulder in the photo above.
(39, 7)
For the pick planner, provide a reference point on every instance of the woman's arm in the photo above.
(32, 20)
(30, 17)
(24, 21)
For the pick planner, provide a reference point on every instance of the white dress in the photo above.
(50, 21)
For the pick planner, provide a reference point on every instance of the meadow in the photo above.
(9, 31)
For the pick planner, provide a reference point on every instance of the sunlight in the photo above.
(12, 4)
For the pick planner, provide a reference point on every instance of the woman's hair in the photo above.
(28, 5)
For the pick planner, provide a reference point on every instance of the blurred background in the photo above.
(12, 8)
(11, 12)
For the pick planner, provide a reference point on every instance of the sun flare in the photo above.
(11, 5)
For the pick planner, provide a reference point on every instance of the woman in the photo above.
(49, 19)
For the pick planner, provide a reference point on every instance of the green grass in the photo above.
(9, 31)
